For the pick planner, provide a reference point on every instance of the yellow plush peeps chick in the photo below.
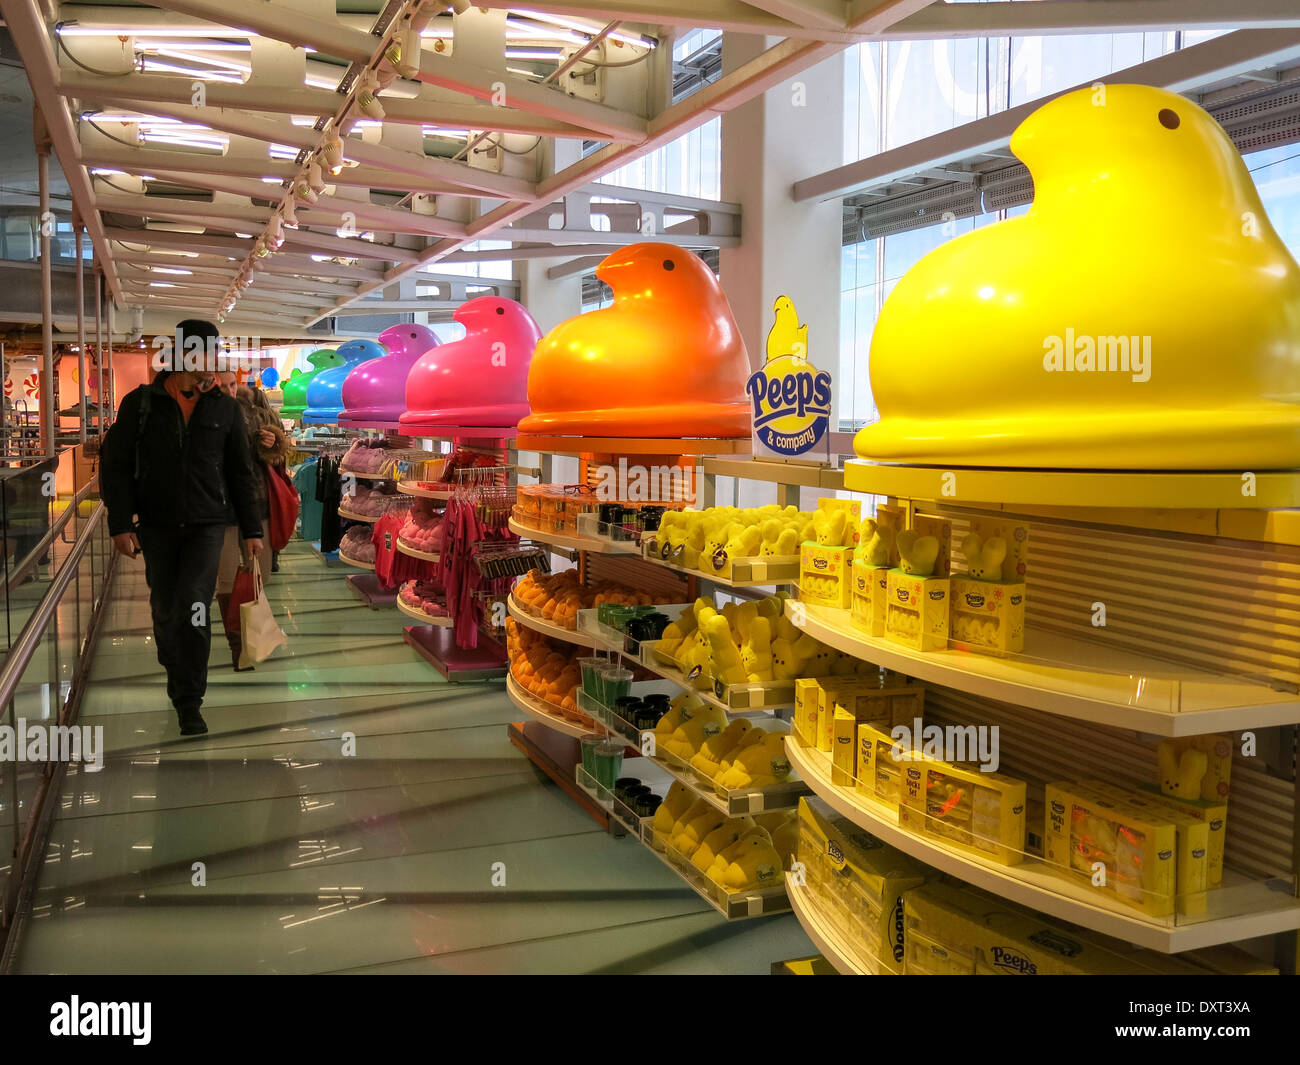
(759, 765)
(1111, 355)
(708, 759)
(984, 558)
(876, 544)
(689, 736)
(831, 527)
(725, 664)
(719, 840)
(757, 864)
(756, 651)
(1181, 769)
(725, 856)
(676, 802)
(918, 553)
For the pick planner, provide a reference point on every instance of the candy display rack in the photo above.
(1085, 699)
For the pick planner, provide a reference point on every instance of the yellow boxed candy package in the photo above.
(987, 617)
(880, 765)
(983, 813)
(825, 575)
(858, 882)
(1215, 815)
(949, 928)
(1115, 849)
(917, 611)
(844, 754)
(1192, 880)
(869, 597)
(807, 696)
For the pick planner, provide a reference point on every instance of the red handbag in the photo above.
(282, 497)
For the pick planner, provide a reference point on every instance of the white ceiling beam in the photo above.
(331, 37)
(595, 237)
(460, 176)
(26, 25)
(162, 238)
(1052, 17)
(732, 15)
(300, 267)
(541, 251)
(811, 14)
(150, 161)
(424, 110)
(213, 292)
(776, 65)
(1181, 71)
(133, 270)
(350, 246)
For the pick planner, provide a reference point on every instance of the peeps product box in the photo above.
(860, 883)
(807, 696)
(983, 813)
(1192, 877)
(880, 772)
(1215, 815)
(977, 933)
(844, 743)
(865, 698)
(986, 616)
(917, 612)
(1135, 851)
(825, 575)
(869, 597)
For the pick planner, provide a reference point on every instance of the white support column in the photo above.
(787, 248)
(49, 405)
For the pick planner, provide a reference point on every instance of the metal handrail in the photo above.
(21, 571)
(20, 653)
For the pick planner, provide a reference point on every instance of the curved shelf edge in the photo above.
(824, 936)
(406, 549)
(1033, 883)
(529, 704)
(546, 628)
(353, 562)
(407, 488)
(420, 615)
(1011, 681)
(353, 516)
(572, 543)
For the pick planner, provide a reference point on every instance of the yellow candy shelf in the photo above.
(1072, 678)
(1238, 910)
(735, 802)
(1146, 490)
(732, 905)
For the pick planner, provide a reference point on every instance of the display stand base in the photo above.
(437, 646)
(366, 587)
(557, 755)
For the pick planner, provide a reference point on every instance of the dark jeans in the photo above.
(180, 565)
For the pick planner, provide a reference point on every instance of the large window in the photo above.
(902, 91)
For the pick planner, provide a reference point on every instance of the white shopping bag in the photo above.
(258, 629)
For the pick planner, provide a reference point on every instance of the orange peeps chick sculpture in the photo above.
(1142, 315)
(666, 360)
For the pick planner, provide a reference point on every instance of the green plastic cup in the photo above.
(607, 759)
(616, 683)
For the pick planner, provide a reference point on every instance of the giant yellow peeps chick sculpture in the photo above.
(1142, 315)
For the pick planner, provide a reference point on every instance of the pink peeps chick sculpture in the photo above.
(375, 391)
(481, 379)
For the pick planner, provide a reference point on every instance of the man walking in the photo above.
(177, 458)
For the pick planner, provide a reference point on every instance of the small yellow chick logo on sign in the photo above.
(790, 398)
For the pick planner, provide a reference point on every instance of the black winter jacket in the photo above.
(195, 474)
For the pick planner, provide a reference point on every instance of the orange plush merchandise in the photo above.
(557, 597)
(545, 670)
(669, 348)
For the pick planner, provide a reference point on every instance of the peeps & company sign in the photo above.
(790, 399)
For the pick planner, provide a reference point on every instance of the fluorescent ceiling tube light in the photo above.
(590, 29)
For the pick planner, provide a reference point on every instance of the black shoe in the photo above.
(192, 723)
